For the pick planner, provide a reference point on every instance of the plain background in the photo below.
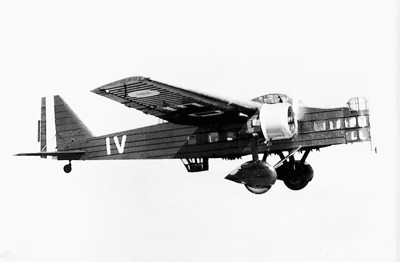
(322, 52)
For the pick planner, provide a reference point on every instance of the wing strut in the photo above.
(287, 157)
(303, 159)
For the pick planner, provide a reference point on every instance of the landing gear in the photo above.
(68, 168)
(257, 176)
(298, 177)
(295, 174)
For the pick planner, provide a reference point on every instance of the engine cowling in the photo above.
(278, 121)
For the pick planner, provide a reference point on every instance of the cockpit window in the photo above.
(274, 99)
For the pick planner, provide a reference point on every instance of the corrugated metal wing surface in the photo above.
(175, 104)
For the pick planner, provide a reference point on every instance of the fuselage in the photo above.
(317, 128)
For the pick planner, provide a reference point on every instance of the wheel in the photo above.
(257, 176)
(68, 168)
(300, 177)
(296, 183)
(258, 189)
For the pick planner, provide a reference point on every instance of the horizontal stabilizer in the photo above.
(61, 155)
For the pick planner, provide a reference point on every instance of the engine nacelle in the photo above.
(278, 121)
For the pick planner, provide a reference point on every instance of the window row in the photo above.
(349, 122)
(212, 137)
(362, 134)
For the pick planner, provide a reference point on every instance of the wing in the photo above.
(175, 104)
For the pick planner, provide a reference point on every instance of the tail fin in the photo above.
(59, 126)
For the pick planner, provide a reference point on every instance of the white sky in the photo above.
(322, 52)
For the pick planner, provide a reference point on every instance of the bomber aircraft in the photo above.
(199, 126)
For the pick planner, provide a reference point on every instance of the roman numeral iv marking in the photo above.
(120, 146)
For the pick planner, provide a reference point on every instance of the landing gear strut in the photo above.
(68, 168)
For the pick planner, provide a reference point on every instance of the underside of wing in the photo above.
(174, 104)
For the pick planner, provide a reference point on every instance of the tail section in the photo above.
(60, 131)
(59, 126)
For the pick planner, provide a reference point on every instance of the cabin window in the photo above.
(334, 124)
(363, 134)
(192, 140)
(362, 121)
(213, 137)
(319, 125)
(350, 122)
(351, 135)
(230, 136)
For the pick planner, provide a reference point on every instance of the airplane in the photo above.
(199, 126)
